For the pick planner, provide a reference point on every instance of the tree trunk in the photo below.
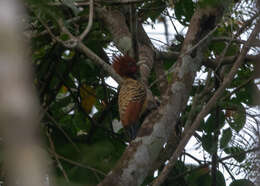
(25, 164)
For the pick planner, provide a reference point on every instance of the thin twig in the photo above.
(65, 134)
(48, 29)
(80, 164)
(239, 87)
(227, 169)
(240, 153)
(74, 19)
(238, 41)
(57, 158)
(74, 42)
(171, 69)
(112, 2)
(168, 14)
(90, 21)
(181, 175)
(201, 41)
(192, 157)
(158, 40)
(99, 61)
(220, 59)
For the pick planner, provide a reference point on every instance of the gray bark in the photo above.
(25, 164)
(138, 158)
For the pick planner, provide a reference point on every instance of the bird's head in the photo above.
(125, 66)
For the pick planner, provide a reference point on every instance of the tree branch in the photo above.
(56, 157)
(90, 21)
(161, 55)
(73, 42)
(189, 130)
(138, 158)
(255, 43)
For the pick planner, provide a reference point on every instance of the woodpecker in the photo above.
(132, 94)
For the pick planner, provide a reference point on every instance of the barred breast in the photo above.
(131, 100)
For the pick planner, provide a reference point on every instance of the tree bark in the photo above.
(25, 162)
(138, 158)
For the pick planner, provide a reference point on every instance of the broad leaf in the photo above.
(208, 143)
(237, 153)
(242, 182)
(225, 138)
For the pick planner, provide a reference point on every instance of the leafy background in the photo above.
(80, 105)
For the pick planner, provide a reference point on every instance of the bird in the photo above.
(132, 94)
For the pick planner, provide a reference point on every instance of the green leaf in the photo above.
(64, 37)
(184, 10)
(199, 177)
(232, 50)
(153, 13)
(238, 118)
(208, 143)
(247, 94)
(102, 154)
(255, 94)
(202, 123)
(242, 182)
(86, 71)
(217, 47)
(60, 181)
(178, 169)
(210, 125)
(41, 52)
(243, 74)
(61, 105)
(237, 153)
(211, 3)
(220, 179)
(226, 137)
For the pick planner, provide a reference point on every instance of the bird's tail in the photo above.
(131, 131)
